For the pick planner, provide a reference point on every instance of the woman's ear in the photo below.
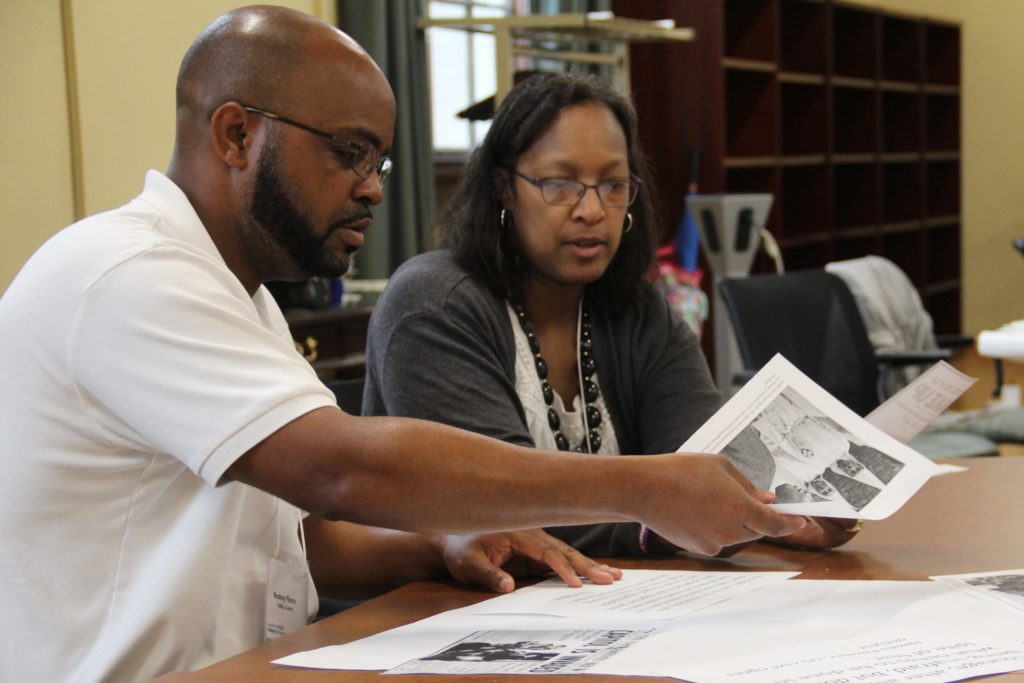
(231, 135)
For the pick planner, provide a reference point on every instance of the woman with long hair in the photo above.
(536, 324)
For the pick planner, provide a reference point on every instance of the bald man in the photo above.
(161, 434)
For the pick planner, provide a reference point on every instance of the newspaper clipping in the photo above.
(525, 652)
(788, 435)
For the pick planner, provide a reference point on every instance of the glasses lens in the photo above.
(384, 167)
(617, 193)
(561, 191)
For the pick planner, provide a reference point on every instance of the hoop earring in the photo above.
(504, 219)
(629, 223)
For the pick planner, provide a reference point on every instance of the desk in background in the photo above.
(333, 340)
(956, 524)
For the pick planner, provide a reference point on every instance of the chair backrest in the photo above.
(348, 393)
(809, 317)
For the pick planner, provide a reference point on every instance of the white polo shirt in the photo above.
(135, 369)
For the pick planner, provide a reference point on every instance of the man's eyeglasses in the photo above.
(566, 192)
(361, 154)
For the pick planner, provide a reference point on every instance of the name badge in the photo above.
(286, 606)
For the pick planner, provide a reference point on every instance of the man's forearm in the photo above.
(422, 476)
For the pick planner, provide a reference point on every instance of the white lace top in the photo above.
(529, 391)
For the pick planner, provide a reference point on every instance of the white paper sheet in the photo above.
(1004, 588)
(799, 618)
(639, 594)
(821, 458)
(530, 652)
(890, 657)
(912, 408)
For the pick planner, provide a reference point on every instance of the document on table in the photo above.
(1004, 588)
(788, 435)
(794, 623)
(825, 630)
(639, 594)
(891, 657)
(642, 597)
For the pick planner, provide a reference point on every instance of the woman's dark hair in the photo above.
(473, 230)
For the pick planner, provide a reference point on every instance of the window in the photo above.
(462, 69)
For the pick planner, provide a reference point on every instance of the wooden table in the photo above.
(957, 523)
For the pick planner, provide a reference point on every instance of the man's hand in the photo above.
(703, 503)
(491, 560)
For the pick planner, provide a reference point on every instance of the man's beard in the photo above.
(278, 218)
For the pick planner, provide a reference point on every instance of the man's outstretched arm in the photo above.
(421, 476)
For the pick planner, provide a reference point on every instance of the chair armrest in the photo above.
(954, 341)
(913, 357)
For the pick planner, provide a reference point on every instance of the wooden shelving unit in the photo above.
(848, 114)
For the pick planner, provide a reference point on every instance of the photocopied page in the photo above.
(641, 600)
(640, 593)
(530, 652)
(1004, 588)
(789, 435)
(912, 408)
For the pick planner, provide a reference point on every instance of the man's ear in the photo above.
(231, 134)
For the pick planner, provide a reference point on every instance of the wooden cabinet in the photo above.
(332, 340)
(849, 115)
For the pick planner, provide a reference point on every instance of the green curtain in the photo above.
(387, 30)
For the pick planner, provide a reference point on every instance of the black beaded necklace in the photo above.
(586, 366)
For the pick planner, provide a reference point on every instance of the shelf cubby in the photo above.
(804, 201)
(942, 54)
(901, 49)
(803, 37)
(751, 29)
(901, 121)
(944, 251)
(856, 196)
(906, 249)
(855, 247)
(944, 307)
(943, 127)
(751, 113)
(803, 117)
(943, 188)
(856, 120)
(855, 42)
(902, 194)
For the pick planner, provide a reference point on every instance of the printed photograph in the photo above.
(519, 651)
(805, 457)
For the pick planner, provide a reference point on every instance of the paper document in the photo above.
(788, 435)
(912, 408)
(1005, 588)
(532, 652)
(640, 593)
(895, 657)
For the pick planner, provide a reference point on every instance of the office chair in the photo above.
(811, 318)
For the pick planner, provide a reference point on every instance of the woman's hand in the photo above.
(822, 532)
(492, 560)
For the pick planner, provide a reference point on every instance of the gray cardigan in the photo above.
(441, 348)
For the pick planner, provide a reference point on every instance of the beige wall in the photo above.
(992, 164)
(125, 59)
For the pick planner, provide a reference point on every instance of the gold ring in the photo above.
(857, 526)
